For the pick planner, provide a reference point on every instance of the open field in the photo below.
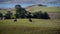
(23, 26)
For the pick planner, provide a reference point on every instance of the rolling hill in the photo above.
(35, 8)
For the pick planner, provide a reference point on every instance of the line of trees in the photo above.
(22, 13)
(41, 15)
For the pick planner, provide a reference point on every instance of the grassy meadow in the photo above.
(23, 26)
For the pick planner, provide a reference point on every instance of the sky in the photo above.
(25, 3)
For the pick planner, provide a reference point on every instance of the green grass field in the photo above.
(23, 26)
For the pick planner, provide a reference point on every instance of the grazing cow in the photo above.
(30, 19)
(15, 20)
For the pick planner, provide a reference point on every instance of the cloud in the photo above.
(30, 1)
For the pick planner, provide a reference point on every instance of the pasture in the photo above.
(23, 26)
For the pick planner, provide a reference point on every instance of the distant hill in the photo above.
(38, 7)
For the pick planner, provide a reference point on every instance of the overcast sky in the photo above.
(8, 3)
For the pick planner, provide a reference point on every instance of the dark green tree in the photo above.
(8, 15)
(20, 12)
(46, 16)
(38, 14)
(18, 8)
(1, 16)
(35, 14)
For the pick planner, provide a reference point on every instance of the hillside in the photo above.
(35, 8)
(5, 10)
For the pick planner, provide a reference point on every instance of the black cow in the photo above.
(30, 19)
(15, 20)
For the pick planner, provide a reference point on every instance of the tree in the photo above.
(20, 12)
(8, 15)
(35, 14)
(29, 15)
(17, 15)
(38, 14)
(18, 8)
(46, 16)
(1, 16)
